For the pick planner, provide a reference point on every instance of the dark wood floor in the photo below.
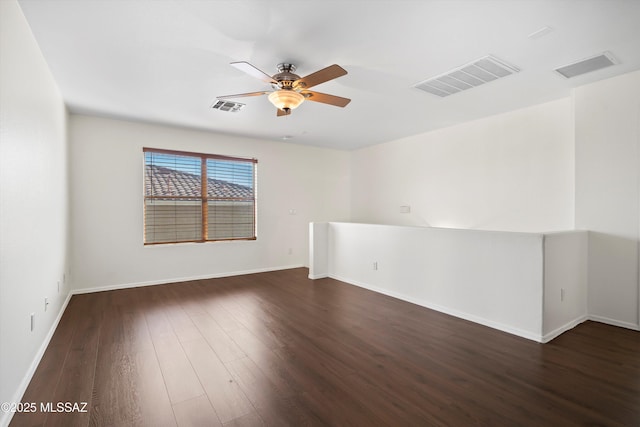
(278, 349)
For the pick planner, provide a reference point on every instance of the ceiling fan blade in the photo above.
(242, 95)
(338, 101)
(283, 112)
(329, 73)
(253, 71)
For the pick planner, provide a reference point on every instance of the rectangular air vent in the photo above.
(470, 75)
(588, 65)
(227, 106)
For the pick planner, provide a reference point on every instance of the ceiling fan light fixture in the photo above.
(290, 90)
(286, 99)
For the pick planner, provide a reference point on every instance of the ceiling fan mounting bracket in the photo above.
(284, 67)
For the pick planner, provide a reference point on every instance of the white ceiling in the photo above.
(166, 61)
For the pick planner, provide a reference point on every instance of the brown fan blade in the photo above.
(253, 71)
(242, 95)
(338, 101)
(283, 112)
(321, 76)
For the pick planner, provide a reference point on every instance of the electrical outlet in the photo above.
(33, 321)
(46, 303)
(375, 265)
(561, 294)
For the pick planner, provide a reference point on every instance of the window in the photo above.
(190, 197)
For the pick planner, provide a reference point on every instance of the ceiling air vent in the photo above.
(594, 63)
(227, 106)
(470, 75)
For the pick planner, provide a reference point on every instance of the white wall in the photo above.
(565, 281)
(318, 250)
(492, 278)
(607, 129)
(33, 203)
(528, 284)
(106, 204)
(511, 172)
(568, 164)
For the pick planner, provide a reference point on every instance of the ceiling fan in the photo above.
(290, 90)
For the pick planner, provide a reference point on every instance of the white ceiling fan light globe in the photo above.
(286, 99)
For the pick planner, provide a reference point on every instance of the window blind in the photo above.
(193, 197)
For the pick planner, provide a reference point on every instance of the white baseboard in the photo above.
(5, 417)
(495, 325)
(318, 276)
(564, 328)
(446, 310)
(614, 322)
(180, 279)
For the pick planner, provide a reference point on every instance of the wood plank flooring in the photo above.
(278, 349)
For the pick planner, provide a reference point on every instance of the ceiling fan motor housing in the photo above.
(285, 77)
